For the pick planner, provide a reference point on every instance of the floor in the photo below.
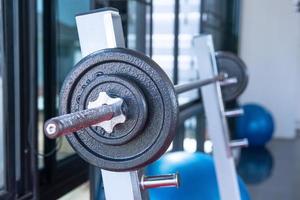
(273, 173)
(284, 180)
(80, 193)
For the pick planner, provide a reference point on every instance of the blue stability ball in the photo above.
(256, 124)
(197, 177)
(255, 165)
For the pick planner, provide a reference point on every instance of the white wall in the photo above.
(270, 46)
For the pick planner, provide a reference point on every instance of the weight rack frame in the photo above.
(101, 29)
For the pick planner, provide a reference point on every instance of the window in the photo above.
(60, 167)
(65, 54)
(138, 26)
(163, 35)
(67, 49)
(189, 26)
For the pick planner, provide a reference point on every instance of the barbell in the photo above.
(119, 110)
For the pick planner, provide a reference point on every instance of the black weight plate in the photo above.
(234, 67)
(160, 96)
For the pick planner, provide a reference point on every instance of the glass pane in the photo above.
(190, 141)
(67, 48)
(132, 25)
(138, 26)
(40, 92)
(189, 26)
(2, 159)
(163, 34)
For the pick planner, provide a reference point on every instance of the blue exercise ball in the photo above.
(255, 165)
(256, 124)
(197, 177)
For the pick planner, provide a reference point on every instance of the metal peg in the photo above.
(234, 113)
(239, 143)
(229, 81)
(168, 180)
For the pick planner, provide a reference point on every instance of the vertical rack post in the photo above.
(216, 119)
(101, 29)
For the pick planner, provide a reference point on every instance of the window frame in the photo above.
(19, 98)
(8, 107)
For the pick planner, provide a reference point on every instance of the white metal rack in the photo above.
(216, 119)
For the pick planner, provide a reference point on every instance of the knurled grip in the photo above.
(64, 124)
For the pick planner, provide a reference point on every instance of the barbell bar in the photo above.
(181, 88)
(72, 122)
(68, 123)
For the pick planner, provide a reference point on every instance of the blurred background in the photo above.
(39, 46)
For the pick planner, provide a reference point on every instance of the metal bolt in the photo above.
(51, 128)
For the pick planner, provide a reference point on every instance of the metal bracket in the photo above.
(104, 99)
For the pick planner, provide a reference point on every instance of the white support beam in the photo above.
(101, 29)
(216, 120)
